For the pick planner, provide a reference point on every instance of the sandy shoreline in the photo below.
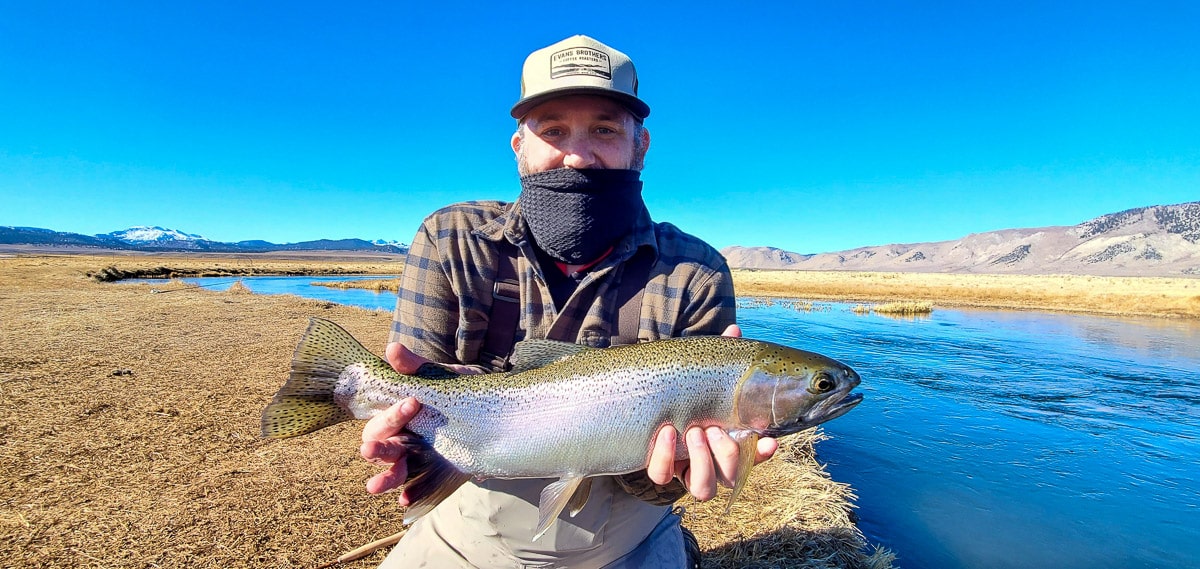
(129, 436)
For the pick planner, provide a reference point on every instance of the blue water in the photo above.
(996, 439)
(300, 286)
(1014, 439)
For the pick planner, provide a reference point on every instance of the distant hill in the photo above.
(1159, 240)
(1147, 241)
(153, 238)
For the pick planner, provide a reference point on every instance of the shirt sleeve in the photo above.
(426, 315)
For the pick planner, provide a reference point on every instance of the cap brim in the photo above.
(637, 108)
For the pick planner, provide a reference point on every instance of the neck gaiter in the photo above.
(576, 215)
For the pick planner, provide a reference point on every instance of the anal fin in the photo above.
(580, 497)
(431, 478)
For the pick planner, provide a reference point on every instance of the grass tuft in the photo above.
(377, 285)
(239, 287)
(907, 308)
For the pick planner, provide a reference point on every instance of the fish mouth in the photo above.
(831, 408)
(839, 407)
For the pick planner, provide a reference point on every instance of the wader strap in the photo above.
(505, 314)
(628, 318)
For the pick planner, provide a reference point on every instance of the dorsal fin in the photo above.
(430, 370)
(532, 354)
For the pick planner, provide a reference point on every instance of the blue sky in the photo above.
(810, 126)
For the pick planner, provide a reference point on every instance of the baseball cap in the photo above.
(579, 65)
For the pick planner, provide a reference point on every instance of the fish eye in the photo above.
(821, 383)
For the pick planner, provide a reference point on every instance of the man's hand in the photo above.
(383, 435)
(405, 361)
(712, 455)
(383, 445)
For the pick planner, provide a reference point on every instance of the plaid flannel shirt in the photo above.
(446, 289)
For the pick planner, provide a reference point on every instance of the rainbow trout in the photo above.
(564, 411)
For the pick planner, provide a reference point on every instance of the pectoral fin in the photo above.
(557, 496)
(747, 451)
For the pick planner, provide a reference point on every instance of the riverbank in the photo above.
(1177, 297)
(1112, 296)
(129, 435)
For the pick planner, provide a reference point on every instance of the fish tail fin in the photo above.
(431, 478)
(305, 403)
(747, 451)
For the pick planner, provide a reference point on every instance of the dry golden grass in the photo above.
(129, 434)
(377, 285)
(238, 287)
(1124, 296)
(162, 465)
(789, 515)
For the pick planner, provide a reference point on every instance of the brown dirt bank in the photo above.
(1118, 296)
(129, 437)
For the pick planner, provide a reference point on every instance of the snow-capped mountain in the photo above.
(153, 234)
(154, 238)
(387, 243)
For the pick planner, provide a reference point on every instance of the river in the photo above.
(993, 439)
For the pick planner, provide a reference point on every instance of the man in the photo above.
(588, 266)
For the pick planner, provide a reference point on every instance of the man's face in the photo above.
(580, 132)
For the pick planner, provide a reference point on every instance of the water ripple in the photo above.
(1082, 430)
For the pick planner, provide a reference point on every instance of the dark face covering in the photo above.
(576, 215)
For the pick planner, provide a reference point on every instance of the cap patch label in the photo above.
(580, 61)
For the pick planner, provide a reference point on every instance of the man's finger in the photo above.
(661, 468)
(391, 421)
(725, 452)
(383, 453)
(405, 361)
(389, 479)
(701, 480)
(766, 449)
